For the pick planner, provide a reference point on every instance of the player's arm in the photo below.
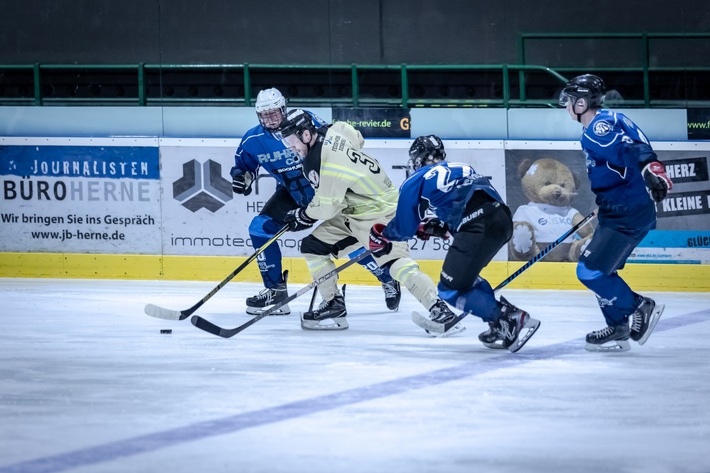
(642, 156)
(245, 168)
(408, 217)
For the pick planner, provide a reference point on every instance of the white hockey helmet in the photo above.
(270, 108)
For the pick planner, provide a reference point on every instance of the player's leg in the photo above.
(474, 246)
(319, 250)
(262, 228)
(406, 271)
(390, 286)
(597, 270)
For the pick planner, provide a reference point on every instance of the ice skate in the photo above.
(268, 297)
(441, 315)
(644, 320)
(610, 338)
(330, 315)
(393, 294)
(513, 328)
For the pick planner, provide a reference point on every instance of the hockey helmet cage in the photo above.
(588, 87)
(270, 107)
(295, 123)
(425, 150)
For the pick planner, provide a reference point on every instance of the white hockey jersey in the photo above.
(348, 181)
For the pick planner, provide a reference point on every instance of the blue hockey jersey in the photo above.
(259, 148)
(615, 148)
(444, 189)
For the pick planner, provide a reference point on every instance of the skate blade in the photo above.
(613, 346)
(434, 328)
(655, 316)
(341, 323)
(458, 328)
(525, 334)
(283, 310)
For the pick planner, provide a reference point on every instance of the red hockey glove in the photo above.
(379, 245)
(657, 182)
(433, 227)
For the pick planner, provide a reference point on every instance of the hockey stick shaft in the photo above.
(208, 326)
(546, 250)
(168, 314)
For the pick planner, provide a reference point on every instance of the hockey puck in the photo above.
(166, 330)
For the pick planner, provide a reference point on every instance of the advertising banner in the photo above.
(683, 228)
(201, 216)
(173, 196)
(683, 232)
(376, 122)
(80, 196)
(699, 123)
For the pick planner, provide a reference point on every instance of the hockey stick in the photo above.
(168, 314)
(208, 326)
(546, 250)
(313, 299)
(427, 324)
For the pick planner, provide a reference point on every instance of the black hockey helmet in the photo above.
(295, 123)
(588, 87)
(425, 150)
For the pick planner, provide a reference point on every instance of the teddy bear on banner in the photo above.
(550, 186)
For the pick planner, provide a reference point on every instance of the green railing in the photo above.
(140, 79)
(644, 67)
(361, 85)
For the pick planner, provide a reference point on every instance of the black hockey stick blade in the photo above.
(169, 314)
(428, 325)
(208, 326)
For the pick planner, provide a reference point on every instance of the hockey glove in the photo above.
(433, 227)
(657, 182)
(241, 183)
(379, 245)
(297, 220)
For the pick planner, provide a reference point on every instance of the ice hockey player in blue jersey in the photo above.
(259, 149)
(628, 180)
(468, 208)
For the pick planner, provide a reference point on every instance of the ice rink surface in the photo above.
(89, 384)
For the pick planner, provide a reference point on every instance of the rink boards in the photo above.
(162, 208)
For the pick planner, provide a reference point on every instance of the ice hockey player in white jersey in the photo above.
(352, 193)
(257, 150)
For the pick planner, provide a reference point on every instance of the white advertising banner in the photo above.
(201, 215)
(80, 195)
(173, 196)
